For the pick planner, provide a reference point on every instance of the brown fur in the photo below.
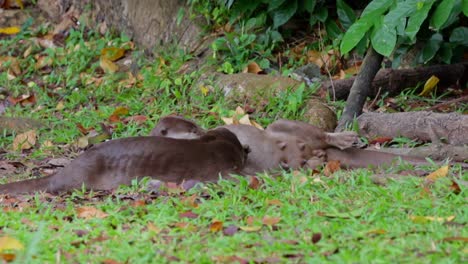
(267, 152)
(177, 127)
(116, 162)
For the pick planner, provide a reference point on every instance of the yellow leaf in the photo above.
(112, 53)
(12, 63)
(9, 243)
(429, 85)
(245, 120)
(42, 62)
(425, 219)
(108, 66)
(20, 4)
(250, 228)
(10, 30)
(228, 120)
(120, 111)
(240, 111)
(204, 90)
(253, 68)
(24, 140)
(440, 173)
(60, 106)
(257, 125)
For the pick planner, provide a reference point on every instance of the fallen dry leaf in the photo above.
(108, 66)
(12, 62)
(254, 183)
(188, 214)
(25, 140)
(43, 61)
(112, 53)
(10, 243)
(139, 119)
(331, 167)
(462, 239)
(89, 212)
(250, 228)
(216, 226)
(153, 228)
(429, 85)
(455, 187)
(425, 219)
(274, 202)
(230, 230)
(439, 173)
(316, 237)
(253, 68)
(10, 30)
(270, 220)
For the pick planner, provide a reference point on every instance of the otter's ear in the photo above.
(246, 148)
(301, 145)
(281, 144)
(163, 131)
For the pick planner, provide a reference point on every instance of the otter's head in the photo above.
(177, 127)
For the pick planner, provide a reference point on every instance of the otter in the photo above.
(323, 146)
(267, 152)
(116, 162)
(177, 127)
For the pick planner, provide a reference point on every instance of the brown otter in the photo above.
(323, 146)
(110, 164)
(177, 127)
(315, 137)
(267, 152)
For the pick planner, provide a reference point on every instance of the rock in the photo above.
(320, 114)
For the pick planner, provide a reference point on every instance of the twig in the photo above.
(453, 101)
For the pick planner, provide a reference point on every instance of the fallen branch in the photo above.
(450, 128)
(394, 81)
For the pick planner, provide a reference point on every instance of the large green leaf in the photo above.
(442, 13)
(333, 31)
(383, 38)
(345, 14)
(459, 36)
(274, 4)
(284, 13)
(357, 31)
(465, 7)
(430, 49)
(378, 6)
(417, 18)
(446, 53)
(372, 13)
(309, 5)
(402, 9)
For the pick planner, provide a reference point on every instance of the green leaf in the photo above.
(370, 15)
(333, 31)
(345, 14)
(284, 13)
(357, 31)
(417, 18)
(446, 53)
(378, 6)
(465, 7)
(309, 5)
(442, 13)
(322, 13)
(459, 36)
(402, 9)
(383, 39)
(274, 4)
(430, 49)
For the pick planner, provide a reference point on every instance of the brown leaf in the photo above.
(230, 230)
(253, 68)
(82, 129)
(118, 112)
(24, 140)
(8, 257)
(110, 261)
(138, 203)
(89, 212)
(380, 140)
(455, 187)
(270, 220)
(190, 201)
(316, 237)
(43, 61)
(152, 227)
(216, 226)
(250, 228)
(12, 62)
(254, 183)
(331, 167)
(274, 202)
(139, 119)
(188, 214)
(462, 239)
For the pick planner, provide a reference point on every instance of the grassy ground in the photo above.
(298, 217)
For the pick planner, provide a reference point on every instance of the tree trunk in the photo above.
(360, 89)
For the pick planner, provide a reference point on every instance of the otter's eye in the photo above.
(303, 163)
(163, 132)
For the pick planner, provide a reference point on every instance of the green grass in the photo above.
(356, 220)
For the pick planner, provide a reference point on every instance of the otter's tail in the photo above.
(27, 186)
